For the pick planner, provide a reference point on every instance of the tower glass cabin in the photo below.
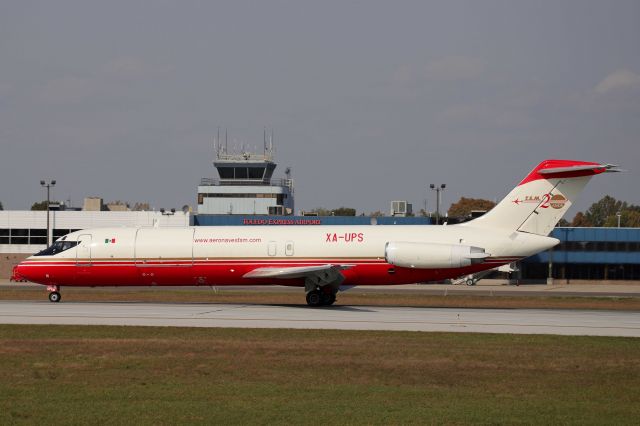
(245, 186)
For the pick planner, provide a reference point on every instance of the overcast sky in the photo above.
(370, 101)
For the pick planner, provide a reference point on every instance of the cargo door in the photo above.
(164, 256)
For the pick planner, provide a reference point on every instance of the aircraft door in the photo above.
(83, 250)
(272, 249)
(83, 258)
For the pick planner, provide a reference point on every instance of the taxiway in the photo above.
(519, 321)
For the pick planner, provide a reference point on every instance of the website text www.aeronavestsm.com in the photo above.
(227, 240)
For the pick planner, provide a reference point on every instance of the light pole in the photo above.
(619, 213)
(48, 185)
(438, 189)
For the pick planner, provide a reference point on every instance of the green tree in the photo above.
(344, 211)
(563, 222)
(600, 211)
(632, 219)
(40, 205)
(321, 212)
(581, 221)
(377, 213)
(464, 206)
(341, 211)
(605, 213)
(143, 207)
(628, 219)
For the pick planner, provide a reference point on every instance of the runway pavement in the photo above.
(519, 321)
(484, 288)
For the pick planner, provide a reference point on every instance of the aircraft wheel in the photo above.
(54, 296)
(314, 298)
(328, 299)
(471, 281)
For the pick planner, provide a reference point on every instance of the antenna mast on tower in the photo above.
(264, 141)
(271, 142)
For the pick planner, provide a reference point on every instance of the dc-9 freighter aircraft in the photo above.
(319, 258)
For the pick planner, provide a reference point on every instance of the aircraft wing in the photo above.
(322, 272)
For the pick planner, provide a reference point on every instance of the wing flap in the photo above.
(295, 272)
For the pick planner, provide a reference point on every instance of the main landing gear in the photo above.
(54, 293)
(321, 296)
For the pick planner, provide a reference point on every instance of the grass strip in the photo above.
(296, 297)
(153, 375)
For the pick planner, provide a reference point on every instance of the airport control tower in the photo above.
(245, 185)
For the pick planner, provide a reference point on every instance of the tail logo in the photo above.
(529, 199)
(558, 201)
(547, 200)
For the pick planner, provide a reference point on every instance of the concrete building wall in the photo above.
(93, 204)
(8, 261)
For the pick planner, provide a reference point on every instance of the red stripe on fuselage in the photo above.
(221, 272)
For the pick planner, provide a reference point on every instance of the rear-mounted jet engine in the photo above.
(433, 255)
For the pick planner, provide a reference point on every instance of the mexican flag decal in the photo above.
(109, 240)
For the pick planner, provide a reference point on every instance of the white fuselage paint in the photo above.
(292, 242)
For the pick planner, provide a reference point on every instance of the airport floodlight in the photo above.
(438, 189)
(48, 185)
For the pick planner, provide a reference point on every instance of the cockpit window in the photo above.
(57, 247)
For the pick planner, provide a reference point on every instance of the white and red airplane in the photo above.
(319, 258)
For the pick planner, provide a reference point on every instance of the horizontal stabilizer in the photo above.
(593, 168)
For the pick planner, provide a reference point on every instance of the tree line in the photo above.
(602, 213)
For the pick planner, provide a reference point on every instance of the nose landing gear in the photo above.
(54, 293)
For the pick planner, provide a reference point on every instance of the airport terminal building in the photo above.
(588, 254)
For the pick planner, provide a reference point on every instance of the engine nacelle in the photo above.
(432, 255)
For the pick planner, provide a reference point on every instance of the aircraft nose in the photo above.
(18, 272)
(22, 271)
